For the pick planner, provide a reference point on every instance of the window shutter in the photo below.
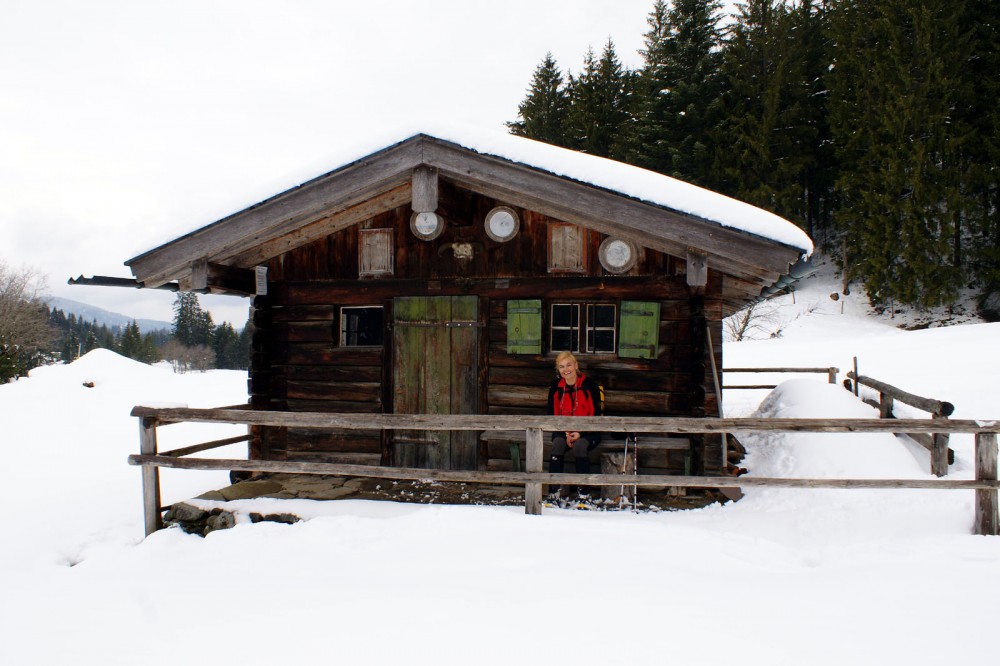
(639, 334)
(524, 327)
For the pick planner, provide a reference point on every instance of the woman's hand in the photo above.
(571, 438)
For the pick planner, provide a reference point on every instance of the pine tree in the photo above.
(130, 344)
(766, 137)
(542, 114)
(679, 86)
(226, 345)
(599, 104)
(192, 325)
(900, 142)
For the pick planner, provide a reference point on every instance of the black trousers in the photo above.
(580, 449)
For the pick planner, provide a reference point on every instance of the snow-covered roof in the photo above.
(653, 210)
(626, 179)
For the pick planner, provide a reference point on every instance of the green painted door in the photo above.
(435, 371)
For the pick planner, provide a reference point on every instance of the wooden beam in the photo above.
(199, 275)
(425, 189)
(987, 517)
(283, 213)
(678, 425)
(474, 476)
(697, 268)
(326, 224)
(731, 250)
(533, 463)
(150, 477)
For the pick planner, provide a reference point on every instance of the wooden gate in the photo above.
(435, 371)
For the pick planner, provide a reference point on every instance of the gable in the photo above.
(223, 253)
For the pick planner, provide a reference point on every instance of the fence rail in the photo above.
(936, 443)
(831, 375)
(985, 484)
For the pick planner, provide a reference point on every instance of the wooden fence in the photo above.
(985, 484)
(936, 443)
(831, 375)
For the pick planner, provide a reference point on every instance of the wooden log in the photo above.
(987, 519)
(936, 407)
(475, 476)
(649, 424)
(533, 490)
(939, 451)
(618, 463)
(150, 477)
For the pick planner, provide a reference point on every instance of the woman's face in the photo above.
(568, 369)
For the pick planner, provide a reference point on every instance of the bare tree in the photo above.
(755, 321)
(25, 335)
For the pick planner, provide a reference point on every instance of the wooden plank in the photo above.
(425, 189)
(987, 520)
(152, 516)
(673, 424)
(533, 464)
(473, 476)
(697, 268)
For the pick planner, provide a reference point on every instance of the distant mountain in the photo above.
(101, 316)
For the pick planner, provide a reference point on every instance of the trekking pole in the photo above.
(621, 490)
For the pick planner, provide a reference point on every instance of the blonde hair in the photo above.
(562, 356)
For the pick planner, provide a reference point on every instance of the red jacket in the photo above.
(583, 399)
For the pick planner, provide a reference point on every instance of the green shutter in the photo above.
(524, 327)
(639, 336)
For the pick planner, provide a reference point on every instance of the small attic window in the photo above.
(375, 253)
(567, 250)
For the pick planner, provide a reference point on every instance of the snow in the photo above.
(783, 576)
(625, 179)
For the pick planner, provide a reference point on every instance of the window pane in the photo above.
(562, 315)
(604, 341)
(361, 327)
(563, 339)
(603, 316)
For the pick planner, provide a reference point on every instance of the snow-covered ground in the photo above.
(783, 576)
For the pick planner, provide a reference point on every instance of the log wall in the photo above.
(299, 366)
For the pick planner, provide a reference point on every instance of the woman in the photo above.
(573, 394)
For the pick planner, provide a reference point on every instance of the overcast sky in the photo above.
(125, 123)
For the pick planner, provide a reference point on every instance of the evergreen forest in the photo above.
(873, 124)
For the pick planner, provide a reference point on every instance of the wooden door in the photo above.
(435, 369)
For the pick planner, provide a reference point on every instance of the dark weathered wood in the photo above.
(937, 407)
(472, 476)
(802, 370)
(987, 519)
(550, 423)
(150, 476)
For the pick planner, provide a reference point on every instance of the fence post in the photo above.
(939, 450)
(884, 406)
(987, 518)
(831, 375)
(533, 463)
(150, 476)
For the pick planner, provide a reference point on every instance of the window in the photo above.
(375, 252)
(567, 250)
(361, 326)
(589, 328)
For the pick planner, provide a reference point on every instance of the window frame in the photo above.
(585, 326)
(342, 333)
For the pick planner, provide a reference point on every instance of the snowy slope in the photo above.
(784, 576)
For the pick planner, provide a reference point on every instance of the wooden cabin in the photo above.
(442, 275)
